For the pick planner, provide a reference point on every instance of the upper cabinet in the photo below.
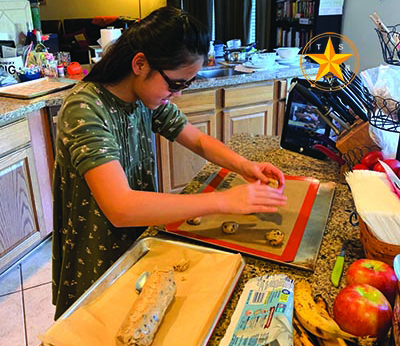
(298, 21)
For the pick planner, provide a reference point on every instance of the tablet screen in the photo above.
(302, 126)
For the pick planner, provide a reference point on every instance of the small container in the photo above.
(375, 248)
(60, 69)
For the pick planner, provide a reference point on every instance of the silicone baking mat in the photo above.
(35, 88)
(250, 237)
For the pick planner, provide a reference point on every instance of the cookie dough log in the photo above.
(145, 316)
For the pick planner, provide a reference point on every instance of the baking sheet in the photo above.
(37, 87)
(303, 221)
(202, 293)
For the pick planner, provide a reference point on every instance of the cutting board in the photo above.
(293, 220)
(37, 87)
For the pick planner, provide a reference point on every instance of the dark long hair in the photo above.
(168, 37)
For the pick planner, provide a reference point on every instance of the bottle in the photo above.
(211, 54)
(35, 11)
(60, 69)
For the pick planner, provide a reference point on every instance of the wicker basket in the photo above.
(376, 249)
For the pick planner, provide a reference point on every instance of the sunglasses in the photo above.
(176, 86)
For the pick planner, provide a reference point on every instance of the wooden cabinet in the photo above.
(25, 187)
(176, 164)
(249, 108)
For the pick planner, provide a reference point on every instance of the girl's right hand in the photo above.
(250, 198)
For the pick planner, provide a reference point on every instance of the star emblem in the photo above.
(329, 61)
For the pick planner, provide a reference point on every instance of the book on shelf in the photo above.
(294, 10)
(294, 37)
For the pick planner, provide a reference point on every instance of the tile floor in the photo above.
(25, 298)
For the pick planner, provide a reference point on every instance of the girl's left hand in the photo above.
(263, 171)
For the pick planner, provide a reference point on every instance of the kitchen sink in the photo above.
(218, 72)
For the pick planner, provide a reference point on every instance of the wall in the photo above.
(359, 28)
(61, 9)
(14, 16)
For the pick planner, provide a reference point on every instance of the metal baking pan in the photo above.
(131, 256)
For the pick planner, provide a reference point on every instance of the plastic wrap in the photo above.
(263, 314)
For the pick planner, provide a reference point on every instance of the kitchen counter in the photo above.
(338, 228)
(12, 109)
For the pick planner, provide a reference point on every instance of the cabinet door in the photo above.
(247, 95)
(281, 92)
(25, 188)
(178, 165)
(257, 119)
(20, 212)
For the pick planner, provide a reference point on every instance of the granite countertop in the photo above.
(12, 109)
(338, 228)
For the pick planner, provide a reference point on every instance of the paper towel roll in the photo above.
(108, 36)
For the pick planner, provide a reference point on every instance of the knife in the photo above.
(347, 99)
(338, 108)
(338, 268)
(336, 116)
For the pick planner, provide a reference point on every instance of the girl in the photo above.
(104, 182)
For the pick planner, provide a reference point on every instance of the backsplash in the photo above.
(14, 16)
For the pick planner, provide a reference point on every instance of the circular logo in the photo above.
(330, 51)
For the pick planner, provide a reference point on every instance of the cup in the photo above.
(287, 53)
(219, 50)
(263, 59)
(235, 43)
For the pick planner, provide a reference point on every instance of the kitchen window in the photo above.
(252, 32)
(229, 19)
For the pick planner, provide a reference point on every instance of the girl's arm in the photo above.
(125, 207)
(215, 151)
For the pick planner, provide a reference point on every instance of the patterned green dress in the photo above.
(96, 127)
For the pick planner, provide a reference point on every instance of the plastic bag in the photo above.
(6, 78)
(382, 81)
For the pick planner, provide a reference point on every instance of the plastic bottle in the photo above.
(60, 70)
(35, 11)
(211, 54)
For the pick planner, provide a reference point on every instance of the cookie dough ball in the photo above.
(194, 221)
(182, 265)
(275, 237)
(229, 227)
(273, 183)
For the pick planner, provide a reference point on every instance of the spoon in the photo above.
(141, 281)
(396, 266)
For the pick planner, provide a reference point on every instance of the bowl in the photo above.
(28, 76)
(287, 52)
(263, 59)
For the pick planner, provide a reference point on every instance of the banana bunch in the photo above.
(315, 318)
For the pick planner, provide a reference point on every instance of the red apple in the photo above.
(371, 158)
(375, 273)
(392, 163)
(362, 310)
(360, 166)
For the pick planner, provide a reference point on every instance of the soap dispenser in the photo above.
(211, 54)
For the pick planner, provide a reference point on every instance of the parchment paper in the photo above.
(201, 290)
